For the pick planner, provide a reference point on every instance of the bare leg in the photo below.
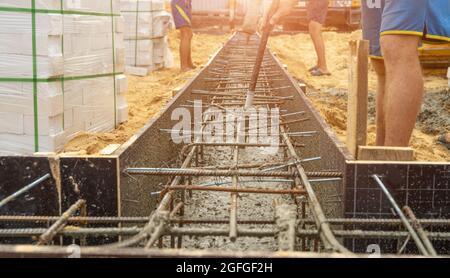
(378, 65)
(190, 63)
(404, 87)
(185, 47)
(315, 31)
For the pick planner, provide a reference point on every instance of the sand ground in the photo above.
(147, 95)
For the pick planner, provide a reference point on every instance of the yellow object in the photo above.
(431, 54)
(356, 3)
(435, 50)
(402, 32)
(183, 14)
(232, 4)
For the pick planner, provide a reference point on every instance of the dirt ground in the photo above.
(147, 95)
(329, 92)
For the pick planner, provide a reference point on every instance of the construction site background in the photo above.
(148, 95)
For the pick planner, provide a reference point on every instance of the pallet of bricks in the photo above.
(146, 27)
(61, 72)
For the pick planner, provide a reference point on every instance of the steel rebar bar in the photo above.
(24, 190)
(399, 212)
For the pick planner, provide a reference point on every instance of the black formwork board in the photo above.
(424, 187)
(16, 173)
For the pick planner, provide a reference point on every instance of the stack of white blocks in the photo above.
(146, 28)
(79, 85)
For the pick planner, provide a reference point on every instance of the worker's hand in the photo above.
(278, 10)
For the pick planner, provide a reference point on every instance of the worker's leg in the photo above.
(317, 15)
(378, 65)
(190, 36)
(371, 25)
(182, 15)
(250, 25)
(185, 48)
(404, 87)
(315, 31)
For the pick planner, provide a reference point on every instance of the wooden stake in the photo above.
(357, 96)
(176, 91)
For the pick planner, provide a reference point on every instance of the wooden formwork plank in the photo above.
(385, 153)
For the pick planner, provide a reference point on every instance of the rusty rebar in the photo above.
(143, 220)
(49, 234)
(243, 145)
(238, 190)
(402, 216)
(132, 231)
(326, 234)
(233, 204)
(420, 231)
(224, 173)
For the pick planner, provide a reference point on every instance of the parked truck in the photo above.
(341, 14)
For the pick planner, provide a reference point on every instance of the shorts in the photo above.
(429, 19)
(182, 13)
(317, 10)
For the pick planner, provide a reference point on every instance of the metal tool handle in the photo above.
(257, 67)
(260, 57)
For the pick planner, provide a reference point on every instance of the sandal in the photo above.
(318, 72)
(443, 140)
(313, 68)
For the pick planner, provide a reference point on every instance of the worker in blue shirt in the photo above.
(395, 29)
(182, 16)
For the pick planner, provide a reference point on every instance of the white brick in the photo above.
(47, 106)
(139, 71)
(16, 65)
(46, 45)
(24, 144)
(46, 125)
(119, 24)
(11, 123)
(121, 84)
(122, 114)
(121, 101)
(20, 23)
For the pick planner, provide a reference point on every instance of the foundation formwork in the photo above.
(119, 200)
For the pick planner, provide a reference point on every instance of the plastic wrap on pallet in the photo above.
(146, 24)
(61, 65)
